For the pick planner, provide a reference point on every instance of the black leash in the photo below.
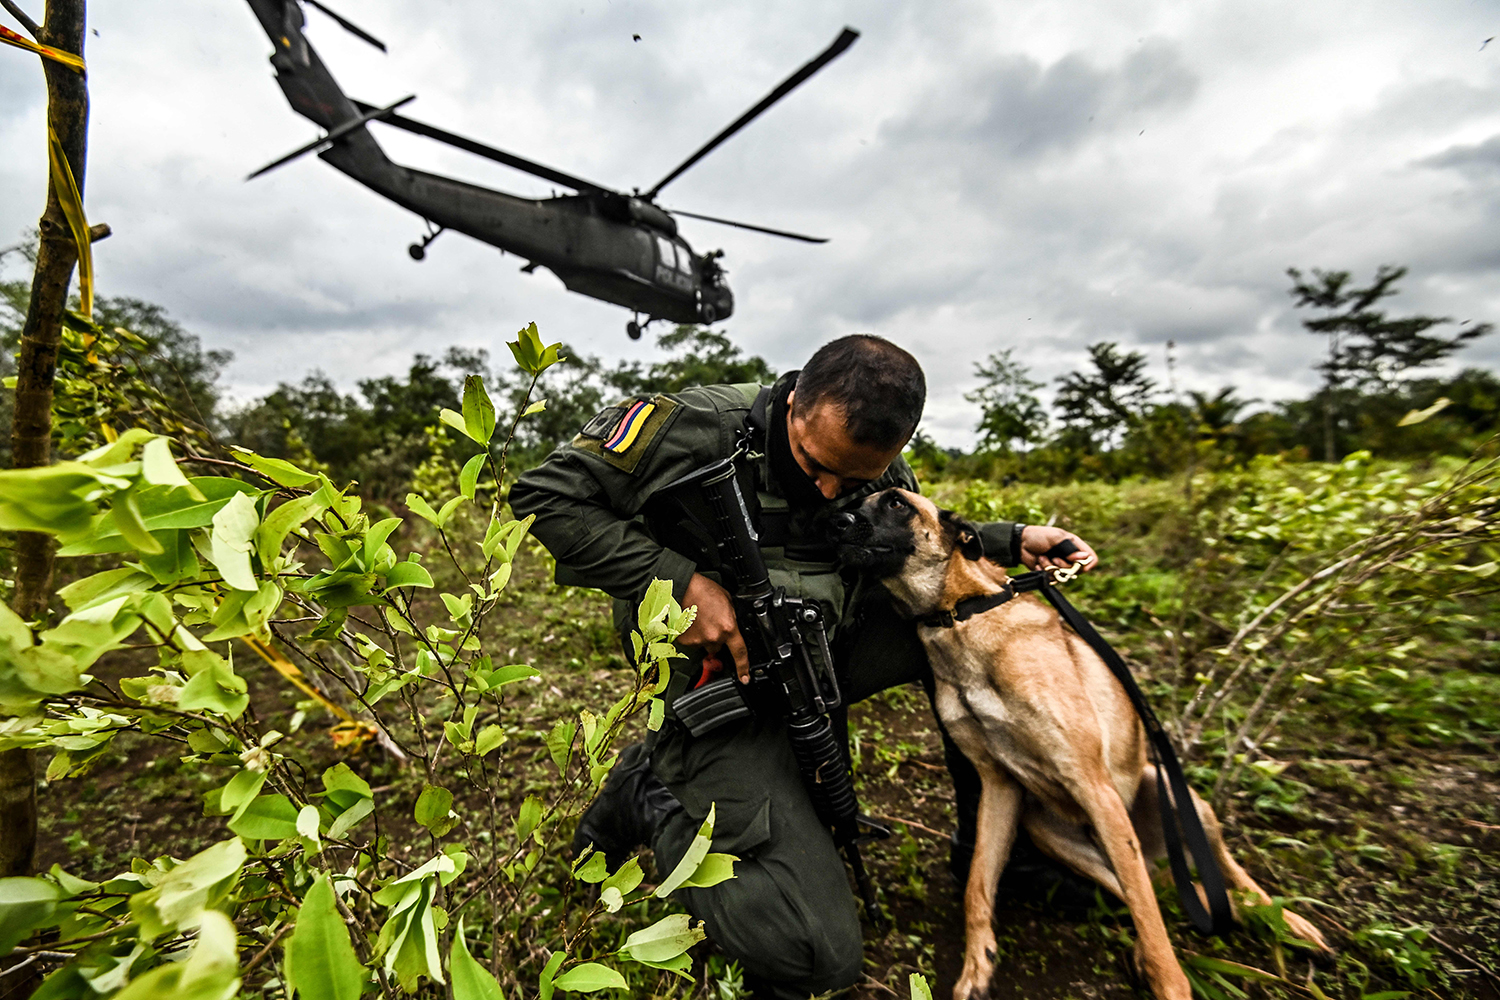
(1218, 917)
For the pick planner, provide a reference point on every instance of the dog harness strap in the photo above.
(1176, 807)
(967, 608)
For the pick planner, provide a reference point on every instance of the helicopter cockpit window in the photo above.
(667, 249)
(684, 259)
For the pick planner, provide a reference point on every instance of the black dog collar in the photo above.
(967, 608)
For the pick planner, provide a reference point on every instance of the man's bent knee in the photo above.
(780, 936)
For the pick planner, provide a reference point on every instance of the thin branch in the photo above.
(32, 28)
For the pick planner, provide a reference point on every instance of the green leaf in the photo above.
(455, 420)
(1226, 967)
(433, 809)
(409, 938)
(527, 348)
(210, 972)
(458, 607)
(917, 983)
(234, 530)
(25, 905)
(159, 468)
(528, 817)
(590, 977)
(407, 574)
(281, 522)
(627, 879)
(320, 960)
(595, 868)
(489, 739)
(447, 510)
(560, 743)
(713, 869)
(544, 981)
(266, 817)
(681, 965)
(344, 786)
(101, 587)
(421, 507)
(236, 796)
(376, 536)
(215, 689)
(479, 412)
(276, 469)
(656, 715)
(468, 479)
(471, 981)
(537, 407)
(128, 519)
(693, 857)
(666, 939)
(179, 897)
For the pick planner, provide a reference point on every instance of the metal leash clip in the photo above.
(1065, 574)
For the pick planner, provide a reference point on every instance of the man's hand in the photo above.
(1037, 539)
(715, 628)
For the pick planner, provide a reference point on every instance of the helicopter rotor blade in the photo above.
(350, 26)
(746, 225)
(846, 38)
(488, 152)
(367, 114)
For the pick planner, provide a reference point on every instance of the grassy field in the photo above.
(1375, 803)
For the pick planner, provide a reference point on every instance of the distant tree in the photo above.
(1101, 405)
(1366, 348)
(1217, 416)
(172, 360)
(703, 357)
(1010, 414)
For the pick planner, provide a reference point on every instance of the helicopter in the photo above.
(602, 242)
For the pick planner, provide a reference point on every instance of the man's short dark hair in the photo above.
(880, 387)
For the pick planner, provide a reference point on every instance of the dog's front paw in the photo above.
(974, 984)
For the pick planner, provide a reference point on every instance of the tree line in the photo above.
(1110, 419)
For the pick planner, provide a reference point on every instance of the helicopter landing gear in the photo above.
(633, 330)
(418, 251)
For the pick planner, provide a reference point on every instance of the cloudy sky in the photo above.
(1035, 176)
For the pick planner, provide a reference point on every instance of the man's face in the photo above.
(822, 447)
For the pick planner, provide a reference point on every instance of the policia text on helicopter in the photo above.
(815, 443)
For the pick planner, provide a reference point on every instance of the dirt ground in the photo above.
(1381, 839)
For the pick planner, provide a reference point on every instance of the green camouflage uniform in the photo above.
(788, 916)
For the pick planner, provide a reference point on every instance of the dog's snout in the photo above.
(844, 525)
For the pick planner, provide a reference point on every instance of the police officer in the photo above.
(818, 441)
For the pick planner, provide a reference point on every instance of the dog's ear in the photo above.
(965, 536)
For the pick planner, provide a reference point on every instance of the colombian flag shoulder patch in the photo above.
(622, 434)
(628, 428)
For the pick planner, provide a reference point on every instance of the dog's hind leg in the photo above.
(1146, 816)
(999, 807)
(1153, 953)
(1071, 844)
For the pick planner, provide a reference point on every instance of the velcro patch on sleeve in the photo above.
(621, 435)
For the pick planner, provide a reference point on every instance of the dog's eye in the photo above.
(895, 502)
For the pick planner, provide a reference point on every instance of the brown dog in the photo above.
(1056, 740)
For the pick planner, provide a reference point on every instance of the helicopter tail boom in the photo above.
(309, 87)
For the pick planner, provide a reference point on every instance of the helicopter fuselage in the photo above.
(602, 244)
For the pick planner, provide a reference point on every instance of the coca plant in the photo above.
(302, 893)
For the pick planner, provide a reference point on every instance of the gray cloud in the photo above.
(973, 204)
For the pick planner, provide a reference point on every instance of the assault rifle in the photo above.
(791, 669)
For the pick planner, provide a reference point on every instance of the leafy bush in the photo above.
(279, 561)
